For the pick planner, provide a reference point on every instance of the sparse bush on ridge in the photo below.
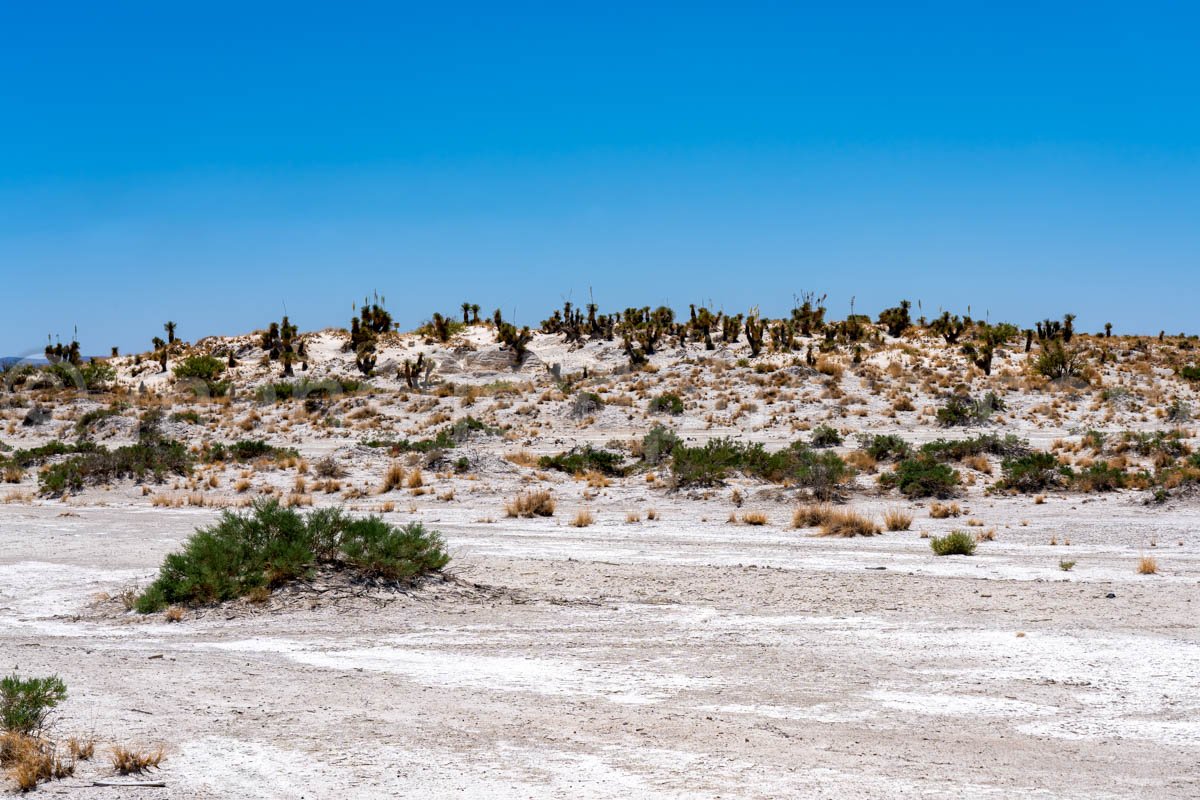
(667, 404)
(270, 546)
(963, 410)
(204, 369)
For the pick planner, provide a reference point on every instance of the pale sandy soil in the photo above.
(680, 657)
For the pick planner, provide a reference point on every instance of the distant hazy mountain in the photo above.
(6, 361)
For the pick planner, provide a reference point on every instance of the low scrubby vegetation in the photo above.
(955, 543)
(797, 465)
(447, 438)
(922, 477)
(579, 460)
(270, 546)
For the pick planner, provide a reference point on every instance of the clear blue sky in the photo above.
(212, 162)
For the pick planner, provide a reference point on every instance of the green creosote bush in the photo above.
(658, 444)
(922, 477)
(667, 404)
(825, 436)
(271, 545)
(582, 459)
(796, 465)
(955, 543)
(25, 703)
(885, 446)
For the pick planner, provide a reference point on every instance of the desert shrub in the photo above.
(885, 446)
(203, 370)
(922, 477)
(1056, 361)
(964, 410)
(955, 543)
(987, 443)
(272, 545)
(25, 703)
(153, 459)
(245, 450)
(328, 467)
(90, 418)
(97, 374)
(1191, 373)
(191, 417)
(667, 404)
(583, 459)
(586, 404)
(825, 436)
(28, 457)
(448, 437)
(204, 367)
(796, 465)
(1033, 472)
(895, 519)
(1172, 444)
(304, 389)
(658, 444)
(1099, 477)
(708, 464)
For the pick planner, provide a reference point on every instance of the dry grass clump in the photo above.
(811, 516)
(633, 516)
(539, 503)
(651, 515)
(1147, 566)
(754, 518)
(31, 760)
(944, 510)
(393, 478)
(522, 458)
(844, 522)
(415, 479)
(582, 518)
(131, 761)
(895, 519)
(81, 749)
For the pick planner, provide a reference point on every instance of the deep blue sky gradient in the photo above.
(213, 163)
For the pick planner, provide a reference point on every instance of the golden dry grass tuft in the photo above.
(30, 760)
(811, 516)
(895, 519)
(1147, 566)
(582, 518)
(393, 478)
(845, 522)
(539, 503)
(944, 510)
(754, 518)
(131, 761)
